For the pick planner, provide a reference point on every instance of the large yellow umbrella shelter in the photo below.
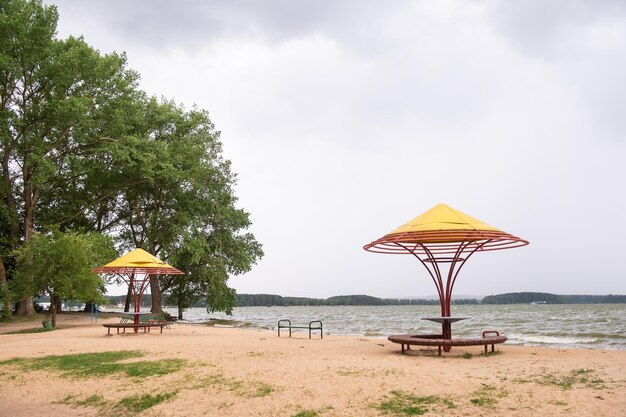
(444, 236)
(135, 269)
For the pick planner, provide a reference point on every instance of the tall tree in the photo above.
(186, 193)
(59, 99)
(82, 148)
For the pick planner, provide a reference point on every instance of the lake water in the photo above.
(600, 326)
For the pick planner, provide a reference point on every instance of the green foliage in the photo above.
(61, 263)
(83, 149)
(401, 403)
(85, 365)
(139, 403)
(467, 355)
(58, 100)
(185, 208)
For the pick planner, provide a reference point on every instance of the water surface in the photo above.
(600, 326)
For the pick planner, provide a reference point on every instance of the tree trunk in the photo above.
(129, 296)
(54, 303)
(180, 306)
(88, 307)
(24, 307)
(155, 292)
(4, 290)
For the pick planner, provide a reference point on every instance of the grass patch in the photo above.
(254, 389)
(139, 403)
(263, 390)
(84, 365)
(248, 389)
(307, 413)
(38, 317)
(23, 331)
(401, 403)
(313, 413)
(351, 371)
(582, 376)
(92, 400)
(467, 355)
(488, 354)
(487, 396)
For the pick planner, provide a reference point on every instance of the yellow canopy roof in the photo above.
(441, 230)
(138, 257)
(443, 217)
(138, 261)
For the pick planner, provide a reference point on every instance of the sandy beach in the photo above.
(251, 372)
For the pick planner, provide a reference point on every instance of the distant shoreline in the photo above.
(274, 300)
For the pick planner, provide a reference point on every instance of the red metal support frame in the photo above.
(437, 247)
(137, 289)
(134, 264)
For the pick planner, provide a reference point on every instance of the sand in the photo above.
(252, 372)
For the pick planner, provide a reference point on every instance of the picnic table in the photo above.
(136, 320)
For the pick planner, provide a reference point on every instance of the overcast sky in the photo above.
(345, 119)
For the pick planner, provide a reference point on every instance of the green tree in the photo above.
(59, 100)
(184, 209)
(83, 149)
(60, 264)
(209, 258)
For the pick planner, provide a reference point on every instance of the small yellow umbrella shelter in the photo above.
(135, 269)
(440, 236)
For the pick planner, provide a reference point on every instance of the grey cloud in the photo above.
(365, 114)
(163, 23)
(543, 29)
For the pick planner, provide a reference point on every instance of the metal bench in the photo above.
(313, 325)
(490, 337)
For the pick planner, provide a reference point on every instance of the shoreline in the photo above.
(248, 371)
(68, 319)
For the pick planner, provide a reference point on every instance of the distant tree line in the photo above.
(268, 300)
(540, 297)
(271, 300)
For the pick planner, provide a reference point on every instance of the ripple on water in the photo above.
(581, 325)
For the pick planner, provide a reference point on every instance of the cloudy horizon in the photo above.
(346, 119)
